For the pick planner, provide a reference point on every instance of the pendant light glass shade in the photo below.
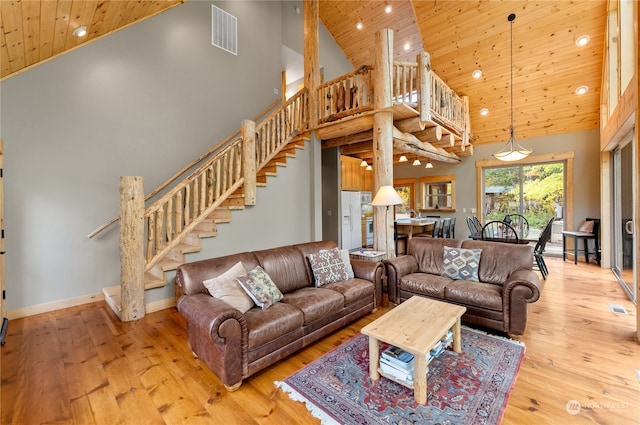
(416, 162)
(429, 165)
(512, 151)
(403, 159)
(363, 163)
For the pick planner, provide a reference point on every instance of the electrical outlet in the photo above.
(329, 213)
(276, 92)
(464, 210)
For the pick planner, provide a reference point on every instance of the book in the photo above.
(398, 357)
(402, 369)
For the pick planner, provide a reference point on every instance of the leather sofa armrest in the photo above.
(396, 268)
(372, 271)
(521, 288)
(527, 282)
(218, 335)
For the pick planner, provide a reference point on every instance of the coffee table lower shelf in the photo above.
(394, 379)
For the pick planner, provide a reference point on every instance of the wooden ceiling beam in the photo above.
(407, 142)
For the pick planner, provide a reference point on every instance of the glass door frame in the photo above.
(567, 157)
(617, 242)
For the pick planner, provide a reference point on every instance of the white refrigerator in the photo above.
(351, 218)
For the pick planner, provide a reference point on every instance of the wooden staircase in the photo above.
(207, 227)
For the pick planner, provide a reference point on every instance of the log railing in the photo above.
(405, 83)
(347, 95)
(183, 207)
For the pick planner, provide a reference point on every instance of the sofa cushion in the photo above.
(353, 289)
(500, 260)
(483, 295)
(344, 254)
(428, 253)
(259, 286)
(226, 288)
(327, 267)
(267, 325)
(430, 285)
(287, 267)
(315, 303)
(460, 263)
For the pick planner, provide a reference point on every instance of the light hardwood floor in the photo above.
(83, 366)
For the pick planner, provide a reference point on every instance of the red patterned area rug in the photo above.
(472, 387)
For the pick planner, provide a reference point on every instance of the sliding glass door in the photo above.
(534, 191)
(623, 237)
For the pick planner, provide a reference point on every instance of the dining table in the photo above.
(409, 225)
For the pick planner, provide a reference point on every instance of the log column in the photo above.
(383, 139)
(132, 248)
(311, 60)
(249, 161)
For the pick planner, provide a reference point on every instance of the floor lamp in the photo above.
(385, 197)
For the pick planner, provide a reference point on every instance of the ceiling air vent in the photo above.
(224, 30)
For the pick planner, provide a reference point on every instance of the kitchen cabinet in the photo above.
(353, 176)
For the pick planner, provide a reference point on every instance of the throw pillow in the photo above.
(344, 254)
(226, 288)
(259, 286)
(586, 226)
(461, 263)
(327, 267)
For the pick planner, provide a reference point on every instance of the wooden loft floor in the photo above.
(82, 365)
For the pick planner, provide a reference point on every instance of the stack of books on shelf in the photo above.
(399, 364)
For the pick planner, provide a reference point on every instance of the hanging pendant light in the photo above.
(512, 151)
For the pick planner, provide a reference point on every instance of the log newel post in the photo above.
(311, 58)
(424, 81)
(383, 139)
(132, 260)
(249, 161)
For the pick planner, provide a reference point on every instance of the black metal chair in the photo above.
(538, 251)
(452, 227)
(435, 233)
(397, 237)
(499, 231)
(587, 231)
(473, 229)
(446, 227)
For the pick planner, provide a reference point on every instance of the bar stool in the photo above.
(588, 230)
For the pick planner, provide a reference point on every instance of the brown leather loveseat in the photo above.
(498, 300)
(236, 345)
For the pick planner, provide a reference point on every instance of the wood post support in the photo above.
(383, 139)
(249, 161)
(424, 82)
(311, 59)
(132, 248)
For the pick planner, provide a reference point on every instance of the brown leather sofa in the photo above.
(236, 345)
(499, 300)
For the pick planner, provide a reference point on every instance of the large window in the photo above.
(406, 188)
(534, 190)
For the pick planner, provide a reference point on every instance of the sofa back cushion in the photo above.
(286, 266)
(191, 275)
(429, 253)
(499, 260)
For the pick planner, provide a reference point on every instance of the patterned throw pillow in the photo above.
(344, 253)
(460, 263)
(259, 286)
(226, 288)
(327, 267)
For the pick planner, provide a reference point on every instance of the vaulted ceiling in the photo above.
(460, 36)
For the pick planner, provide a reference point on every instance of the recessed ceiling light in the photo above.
(582, 90)
(484, 112)
(359, 25)
(407, 46)
(387, 8)
(583, 40)
(477, 73)
(80, 31)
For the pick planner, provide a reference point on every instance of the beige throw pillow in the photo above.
(226, 288)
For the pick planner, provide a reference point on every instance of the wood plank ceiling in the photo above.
(460, 36)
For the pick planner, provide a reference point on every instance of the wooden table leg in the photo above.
(457, 338)
(420, 379)
(374, 358)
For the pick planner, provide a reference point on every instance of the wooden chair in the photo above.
(587, 231)
(519, 222)
(499, 231)
(538, 251)
(435, 233)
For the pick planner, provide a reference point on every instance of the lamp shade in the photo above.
(386, 196)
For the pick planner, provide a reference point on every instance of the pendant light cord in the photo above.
(511, 18)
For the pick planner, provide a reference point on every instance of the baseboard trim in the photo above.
(73, 302)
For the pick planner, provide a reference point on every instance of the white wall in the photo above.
(143, 101)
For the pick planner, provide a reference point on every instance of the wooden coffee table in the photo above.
(416, 326)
